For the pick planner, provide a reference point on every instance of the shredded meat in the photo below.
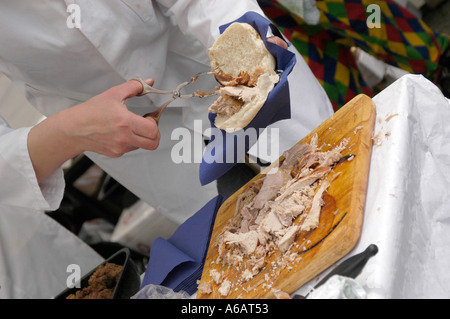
(225, 288)
(273, 211)
(204, 288)
(243, 78)
(226, 105)
(235, 91)
(272, 185)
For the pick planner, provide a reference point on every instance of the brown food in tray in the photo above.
(101, 283)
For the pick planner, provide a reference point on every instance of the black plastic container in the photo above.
(127, 285)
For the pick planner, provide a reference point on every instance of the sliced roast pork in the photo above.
(267, 215)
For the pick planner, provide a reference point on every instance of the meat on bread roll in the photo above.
(245, 70)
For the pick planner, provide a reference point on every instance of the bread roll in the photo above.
(245, 70)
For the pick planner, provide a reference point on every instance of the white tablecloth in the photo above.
(407, 212)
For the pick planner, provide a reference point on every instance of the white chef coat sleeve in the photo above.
(19, 186)
(202, 18)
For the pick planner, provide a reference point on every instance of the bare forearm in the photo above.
(49, 147)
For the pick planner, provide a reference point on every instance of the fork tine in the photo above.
(195, 77)
(193, 80)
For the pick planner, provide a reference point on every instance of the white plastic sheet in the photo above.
(339, 287)
(407, 213)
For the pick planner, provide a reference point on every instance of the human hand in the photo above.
(278, 41)
(103, 125)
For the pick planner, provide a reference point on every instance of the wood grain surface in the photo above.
(341, 216)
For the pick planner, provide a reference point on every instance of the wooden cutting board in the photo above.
(341, 216)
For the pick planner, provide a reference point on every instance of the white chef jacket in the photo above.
(35, 251)
(57, 67)
(19, 186)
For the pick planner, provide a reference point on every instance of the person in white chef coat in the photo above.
(31, 161)
(58, 63)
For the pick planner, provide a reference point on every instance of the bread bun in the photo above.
(245, 70)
